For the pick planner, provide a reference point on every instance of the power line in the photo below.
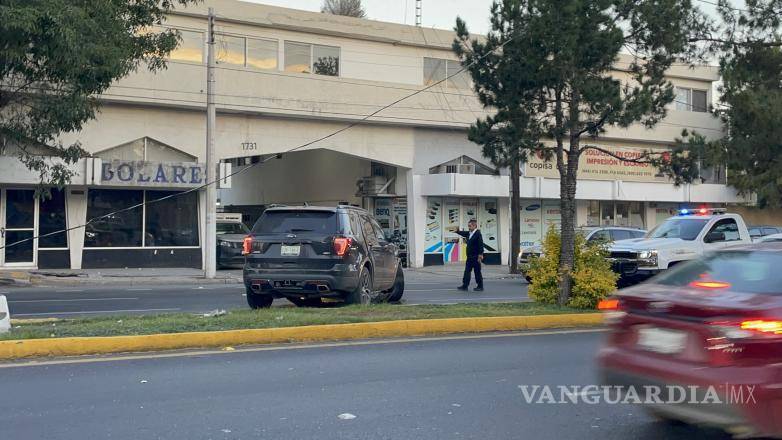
(267, 159)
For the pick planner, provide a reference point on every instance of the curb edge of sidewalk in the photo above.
(80, 346)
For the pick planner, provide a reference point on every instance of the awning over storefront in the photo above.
(465, 185)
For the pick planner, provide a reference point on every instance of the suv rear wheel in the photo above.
(258, 301)
(363, 292)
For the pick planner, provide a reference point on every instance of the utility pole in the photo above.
(210, 231)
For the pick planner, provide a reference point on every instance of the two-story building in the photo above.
(285, 77)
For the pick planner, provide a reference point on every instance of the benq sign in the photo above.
(152, 174)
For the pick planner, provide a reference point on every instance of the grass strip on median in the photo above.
(278, 317)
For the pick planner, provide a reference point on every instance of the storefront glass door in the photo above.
(18, 214)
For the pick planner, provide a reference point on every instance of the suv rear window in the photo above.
(295, 221)
(741, 271)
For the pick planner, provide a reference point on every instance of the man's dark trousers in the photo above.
(472, 264)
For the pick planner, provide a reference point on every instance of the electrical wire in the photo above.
(261, 162)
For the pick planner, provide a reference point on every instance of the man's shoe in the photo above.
(478, 289)
(462, 288)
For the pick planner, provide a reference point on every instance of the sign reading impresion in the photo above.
(597, 165)
(152, 174)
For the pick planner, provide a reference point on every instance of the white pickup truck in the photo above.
(684, 237)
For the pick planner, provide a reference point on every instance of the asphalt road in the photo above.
(457, 388)
(63, 302)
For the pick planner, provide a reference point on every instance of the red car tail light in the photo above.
(608, 304)
(612, 310)
(342, 245)
(763, 326)
(247, 245)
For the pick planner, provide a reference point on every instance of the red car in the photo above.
(711, 329)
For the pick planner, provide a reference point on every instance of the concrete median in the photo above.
(27, 348)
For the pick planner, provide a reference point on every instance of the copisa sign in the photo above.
(152, 174)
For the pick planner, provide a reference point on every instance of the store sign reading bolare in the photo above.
(152, 174)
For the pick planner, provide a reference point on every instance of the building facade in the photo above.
(286, 77)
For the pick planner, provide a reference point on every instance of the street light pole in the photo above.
(210, 231)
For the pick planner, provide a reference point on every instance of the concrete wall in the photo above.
(315, 177)
(757, 216)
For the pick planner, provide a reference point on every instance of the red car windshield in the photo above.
(741, 271)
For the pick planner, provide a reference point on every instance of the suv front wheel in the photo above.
(363, 291)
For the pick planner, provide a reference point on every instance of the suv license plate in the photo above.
(661, 340)
(290, 251)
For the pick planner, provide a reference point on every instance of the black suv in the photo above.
(305, 253)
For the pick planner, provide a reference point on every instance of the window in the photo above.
(434, 70)
(369, 231)
(325, 60)
(770, 231)
(728, 227)
(308, 58)
(438, 69)
(379, 234)
(51, 218)
(606, 213)
(622, 214)
(749, 271)
(684, 228)
(593, 213)
(190, 48)
(691, 100)
(600, 236)
(171, 222)
(262, 54)
(620, 234)
(232, 228)
(293, 221)
(230, 50)
(637, 234)
(109, 229)
(460, 80)
(755, 232)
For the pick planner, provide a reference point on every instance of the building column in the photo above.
(416, 221)
(76, 215)
(503, 229)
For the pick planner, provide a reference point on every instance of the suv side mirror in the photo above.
(712, 237)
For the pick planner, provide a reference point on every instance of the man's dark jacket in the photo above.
(474, 244)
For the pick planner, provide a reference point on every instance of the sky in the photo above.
(440, 14)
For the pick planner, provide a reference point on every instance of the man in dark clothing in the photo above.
(474, 255)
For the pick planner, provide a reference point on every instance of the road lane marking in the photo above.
(68, 300)
(473, 299)
(95, 311)
(431, 290)
(69, 290)
(139, 290)
(251, 349)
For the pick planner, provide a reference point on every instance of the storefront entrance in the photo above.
(18, 214)
(445, 216)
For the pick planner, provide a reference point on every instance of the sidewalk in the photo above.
(185, 276)
(451, 270)
(126, 276)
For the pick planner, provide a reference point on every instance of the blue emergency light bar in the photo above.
(702, 211)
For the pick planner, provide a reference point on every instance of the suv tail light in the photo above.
(247, 245)
(342, 245)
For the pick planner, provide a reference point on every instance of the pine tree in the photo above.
(546, 71)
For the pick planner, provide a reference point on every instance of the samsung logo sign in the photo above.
(152, 174)
(532, 207)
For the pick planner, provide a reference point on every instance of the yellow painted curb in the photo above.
(22, 348)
